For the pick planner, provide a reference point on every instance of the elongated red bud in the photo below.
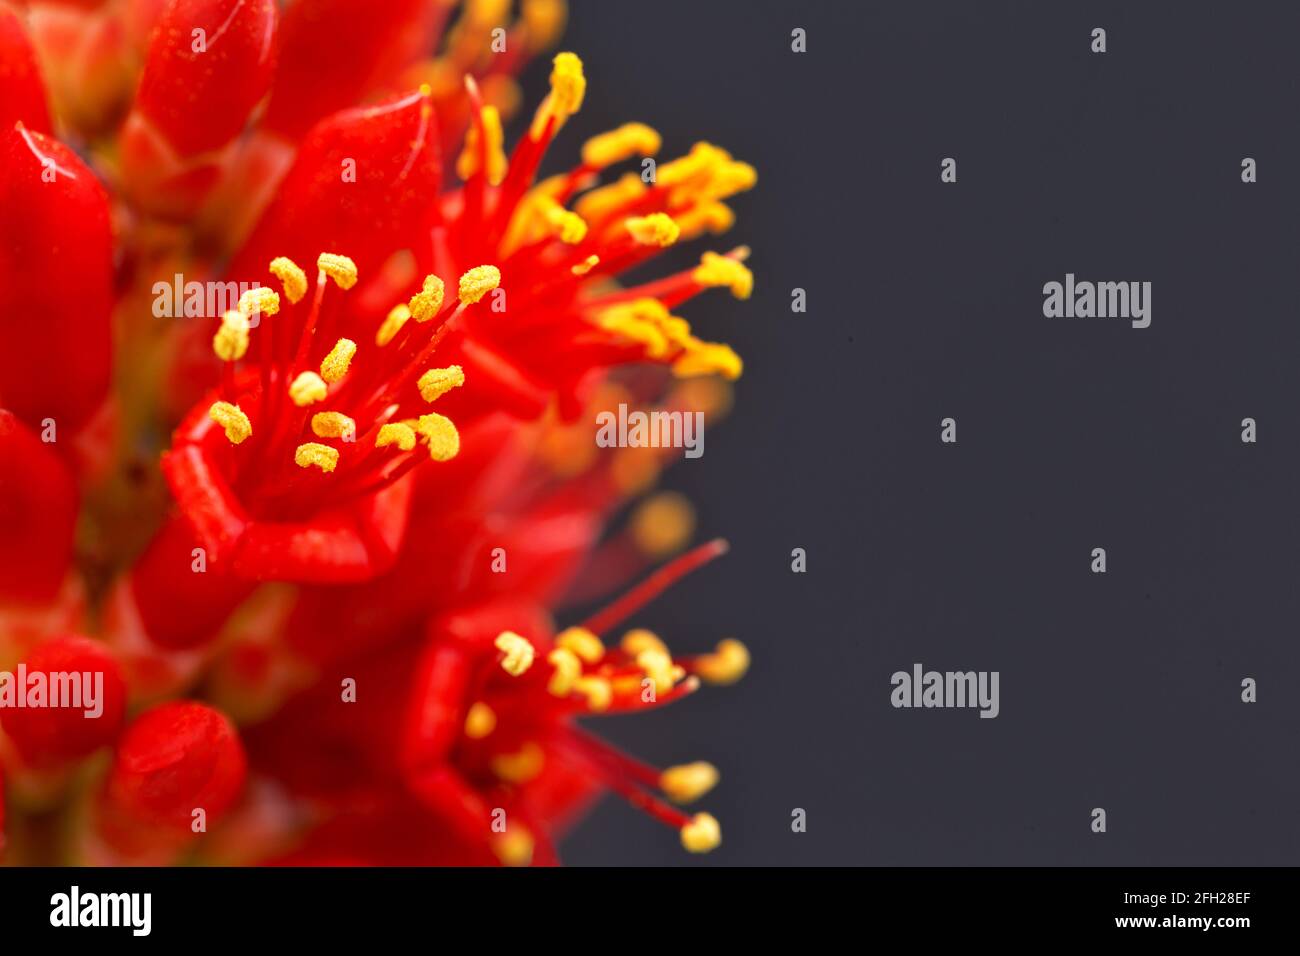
(22, 94)
(38, 514)
(81, 702)
(55, 283)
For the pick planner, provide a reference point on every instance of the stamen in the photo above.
(567, 671)
(656, 229)
(658, 666)
(425, 304)
(583, 643)
(585, 266)
(688, 782)
(308, 387)
(715, 270)
(638, 640)
(519, 767)
(654, 585)
(263, 300)
(567, 226)
(726, 665)
(630, 139)
(437, 382)
(440, 435)
(597, 690)
(709, 358)
(480, 721)
(396, 433)
(478, 282)
(339, 268)
(333, 425)
(291, 277)
(232, 419)
(231, 341)
(335, 365)
(396, 318)
(514, 847)
(313, 453)
(493, 138)
(702, 834)
(518, 651)
(662, 524)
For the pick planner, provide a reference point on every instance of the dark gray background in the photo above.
(924, 301)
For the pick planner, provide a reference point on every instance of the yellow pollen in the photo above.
(715, 270)
(232, 419)
(333, 425)
(339, 268)
(291, 277)
(425, 304)
(514, 847)
(658, 666)
(437, 382)
(662, 524)
(335, 365)
(656, 229)
(639, 639)
(586, 265)
(689, 781)
(630, 139)
(597, 690)
(518, 652)
(231, 341)
(714, 217)
(568, 85)
(467, 164)
(519, 767)
(702, 834)
(314, 453)
(726, 665)
(708, 358)
(567, 226)
(397, 317)
(478, 282)
(582, 642)
(480, 721)
(308, 387)
(441, 436)
(396, 433)
(567, 671)
(261, 299)
(599, 204)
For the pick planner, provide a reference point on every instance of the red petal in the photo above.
(55, 282)
(38, 512)
(22, 94)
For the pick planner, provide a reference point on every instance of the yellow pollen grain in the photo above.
(478, 282)
(630, 139)
(689, 781)
(567, 671)
(480, 721)
(263, 300)
(441, 436)
(714, 217)
(467, 164)
(424, 305)
(639, 639)
(333, 425)
(231, 341)
(396, 433)
(392, 324)
(292, 278)
(568, 84)
(335, 365)
(565, 225)
(702, 834)
(662, 524)
(339, 268)
(314, 453)
(583, 643)
(715, 270)
(514, 847)
(709, 358)
(437, 382)
(308, 387)
(519, 767)
(726, 665)
(656, 229)
(605, 201)
(518, 651)
(597, 690)
(232, 419)
(658, 666)
(586, 265)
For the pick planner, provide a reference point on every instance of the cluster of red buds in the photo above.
(307, 550)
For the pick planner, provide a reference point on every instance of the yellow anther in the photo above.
(478, 282)
(586, 265)
(630, 139)
(639, 639)
(335, 365)
(232, 419)
(334, 425)
(599, 204)
(567, 671)
(702, 834)
(308, 387)
(514, 847)
(656, 229)
(314, 453)
(293, 279)
(658, 666)
(480, 721)
(425, 304)
(662, 524)
(468, 162)
(624, 320)
(396, 433)
(567, 226)
(597, 690)
(263, 300)
(519, 767)
(231, 341)
(583, 643)
(339, 268)
(518, 651)
(396, 318)
(715, 270)
(726, 665)
(440, 435)
(437, 382)
(568, 84)
(689, 781)
(714, 217)
(543, 21)
(709, 358)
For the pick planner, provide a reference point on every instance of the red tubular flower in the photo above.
(209, 63)
(38, 512)
(22, 94)
(55, 283)
(51, 735)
